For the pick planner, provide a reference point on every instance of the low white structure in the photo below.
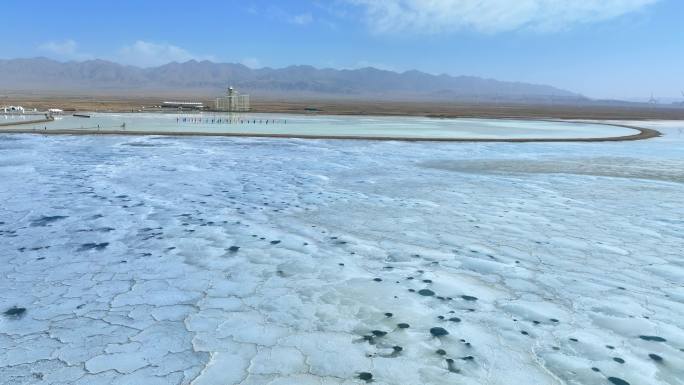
(55, 111)
(13, 109)
(183, 105)
(232, 101)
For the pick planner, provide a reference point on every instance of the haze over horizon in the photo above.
(620, 49)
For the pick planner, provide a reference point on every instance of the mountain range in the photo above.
(205, 78)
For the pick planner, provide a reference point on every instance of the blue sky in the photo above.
(601, 48)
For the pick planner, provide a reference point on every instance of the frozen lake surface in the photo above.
(215, 261)
(346, 126)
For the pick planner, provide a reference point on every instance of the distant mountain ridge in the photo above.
(209, 78)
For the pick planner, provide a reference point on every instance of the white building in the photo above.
(232, 101)
(13, 109)
(183, 105)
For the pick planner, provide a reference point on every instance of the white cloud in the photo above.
(490, 16)
(277, 13)
(67, 49)
(302, 19)
(148, 54)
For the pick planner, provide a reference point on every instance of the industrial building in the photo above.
(183, 105)
(232, 101)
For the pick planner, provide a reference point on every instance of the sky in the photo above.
(600, 48)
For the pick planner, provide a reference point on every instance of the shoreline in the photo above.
(363, 107)
(23, 122)
(643, 134)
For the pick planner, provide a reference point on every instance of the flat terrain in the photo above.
(348, 107)
(307, 126)
(163, 260)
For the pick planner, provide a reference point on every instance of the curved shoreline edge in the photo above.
(643, 133)
(23, 122)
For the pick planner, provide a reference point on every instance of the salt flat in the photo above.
(166, 260)
(298, 125)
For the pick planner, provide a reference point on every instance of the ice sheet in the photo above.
(145, 260)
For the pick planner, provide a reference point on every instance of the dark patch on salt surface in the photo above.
(450, 365)
(403, 326)
(139, 144)
(618, 360)
(524, 333)
(596, 369)
(441, 352)
(455, 319)
(234, 249)
(653, 338)
(574, 340)
(426, 292)
(379, 333)
(617, 381)
(377, 279)
(438, 332)
(365, 376)
(469, 298)
(655, 357)
(15, 312)
(388, 315)
(275, 242)
(46, 220)
(93, 246)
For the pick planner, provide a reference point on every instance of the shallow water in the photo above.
(210, 260)
(363, 126)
